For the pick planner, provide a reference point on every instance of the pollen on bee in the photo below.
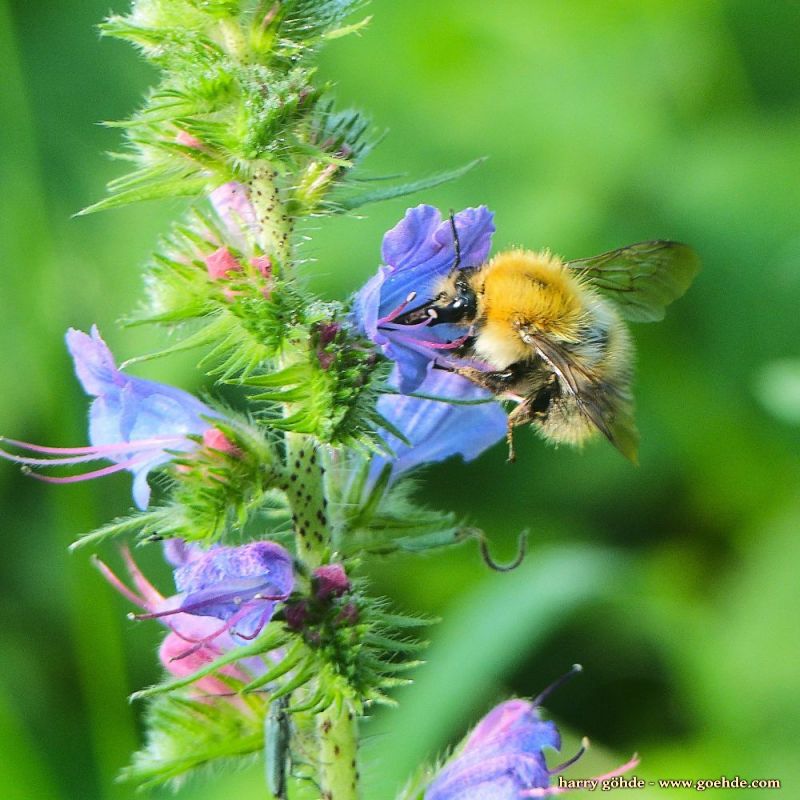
(522, 288)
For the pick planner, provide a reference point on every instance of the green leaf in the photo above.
(176, 187)
(184, 734)
(341, 205)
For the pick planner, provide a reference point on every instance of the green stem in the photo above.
(275, 225)
(337, 729)
(305, 489)
(338, 750)
(233, 38)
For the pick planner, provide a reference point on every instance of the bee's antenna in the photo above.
(456, 243)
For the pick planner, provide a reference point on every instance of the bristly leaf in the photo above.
(349, 203)
(184, 734)
(236, 92)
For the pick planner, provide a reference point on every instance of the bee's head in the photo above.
(455, 301)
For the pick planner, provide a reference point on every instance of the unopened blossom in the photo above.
(135, 423)
(416, 253)
(504, 756)
(231, 202)
(330, 580)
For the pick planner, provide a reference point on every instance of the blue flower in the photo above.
(237, 586)
(417, 252)
(438, 429)
(132, 421)
(503, 758)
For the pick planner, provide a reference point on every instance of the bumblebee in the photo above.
(551, 334)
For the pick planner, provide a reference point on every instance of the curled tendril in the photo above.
(483, 545)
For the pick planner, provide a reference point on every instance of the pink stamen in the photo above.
(102, 449)
(553, 790)
(399, 310)
(437, 345)
(261, 623)
(206, 640)
(106, 572)
(570, 761)
(406, 327)
(48, 462)
(146, 589)
(84, 476)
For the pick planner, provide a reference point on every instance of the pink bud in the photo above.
(331, 581)
(328, 332)
(325, 360)
(348, 615)
(215, 439)
(296, 615)
(263, 264)
(220, 263)
(187, 140)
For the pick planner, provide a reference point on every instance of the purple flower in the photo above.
(503, 758)
(236, 586)
(132, 421)
(416, 253)
(438, 429)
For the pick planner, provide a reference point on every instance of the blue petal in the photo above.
(500, 776)
(129, 409)
(223, 580)
(154, 408)
(438, 430)
(94, 364)
(141, 489)
(420, 249)
(411, 241)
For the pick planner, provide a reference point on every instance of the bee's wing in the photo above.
(641, 279)
(602, 404)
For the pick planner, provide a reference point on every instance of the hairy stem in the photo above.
(338, 746)
(274, 223)
(305, 489)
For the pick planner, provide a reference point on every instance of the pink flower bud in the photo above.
(330, 581)
(187, 140)
(263, 264)
(220, 263)
(296, 615)
(215, 439)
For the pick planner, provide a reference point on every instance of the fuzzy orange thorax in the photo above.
(523, 289)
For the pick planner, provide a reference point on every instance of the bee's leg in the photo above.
(512, 456)
(497, 382)
(519, 416)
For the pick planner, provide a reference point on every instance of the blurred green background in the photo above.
(674, 584)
